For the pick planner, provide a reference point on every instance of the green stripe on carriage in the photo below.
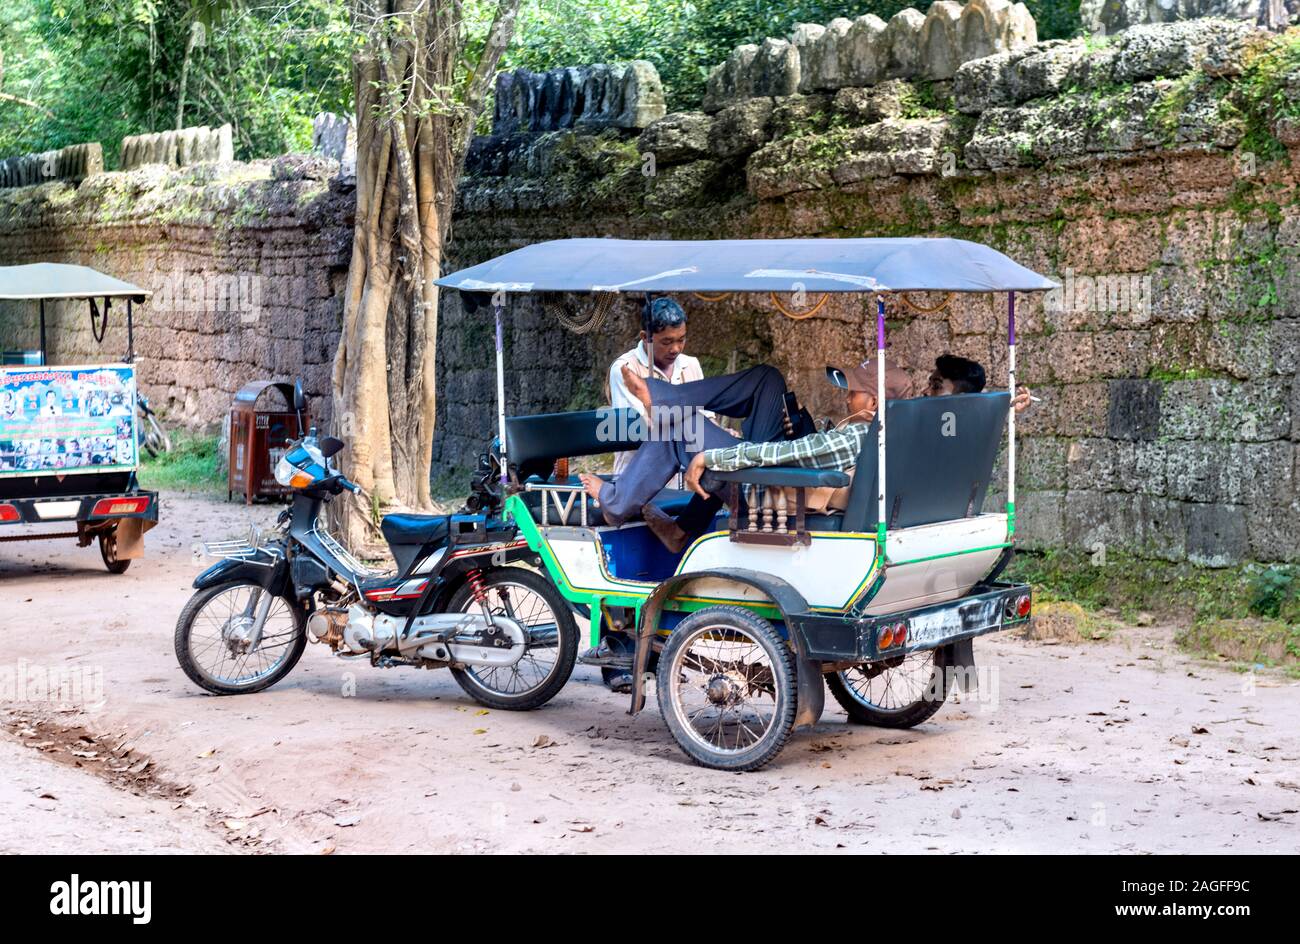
(973, 550)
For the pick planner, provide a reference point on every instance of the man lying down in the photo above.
(682, 438)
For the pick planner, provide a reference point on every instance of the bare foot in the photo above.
(665, 528)
(636, 385)
(591, 484)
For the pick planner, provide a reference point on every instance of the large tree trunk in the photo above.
(416, 111)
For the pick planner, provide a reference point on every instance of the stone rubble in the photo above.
(862, 52)
(628, 95)
(201, 145)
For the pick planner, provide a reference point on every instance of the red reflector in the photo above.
(900, 634)
(9, 513)
(107, 507)
(1023, 606)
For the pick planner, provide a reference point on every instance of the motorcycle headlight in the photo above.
(284, 472)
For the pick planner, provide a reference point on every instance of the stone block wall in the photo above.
(1132, 169)
(246, 261)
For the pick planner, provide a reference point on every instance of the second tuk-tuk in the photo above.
(69, 439)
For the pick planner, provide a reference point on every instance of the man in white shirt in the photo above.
(659, 355)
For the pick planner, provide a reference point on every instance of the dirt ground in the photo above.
(1120, 746)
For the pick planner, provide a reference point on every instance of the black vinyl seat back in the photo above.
(533, 443)
(940, 458)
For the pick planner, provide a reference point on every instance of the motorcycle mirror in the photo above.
(329, 446)
(299, 403)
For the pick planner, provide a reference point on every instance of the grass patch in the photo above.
(1248, 614)
(1250, 642)
(191, 466)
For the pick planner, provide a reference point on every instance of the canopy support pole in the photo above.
(880, 430)
(43, 357)
(498, 309)
(130, 334)
(1011, 415)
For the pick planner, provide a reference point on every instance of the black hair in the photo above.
(658, 314)
(966, 375)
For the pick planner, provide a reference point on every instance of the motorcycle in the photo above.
(457, 599)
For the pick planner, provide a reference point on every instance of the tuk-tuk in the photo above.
(69, 436)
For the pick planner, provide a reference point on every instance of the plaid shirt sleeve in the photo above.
(834, 449)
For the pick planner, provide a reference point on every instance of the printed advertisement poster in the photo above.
(66, 420)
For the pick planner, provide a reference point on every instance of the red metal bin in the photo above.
(258, 438)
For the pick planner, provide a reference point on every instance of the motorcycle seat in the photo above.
(414, 529)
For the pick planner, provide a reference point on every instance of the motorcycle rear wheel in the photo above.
(532, 600)
(204, 631)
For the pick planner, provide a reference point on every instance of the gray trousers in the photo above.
(677, 431)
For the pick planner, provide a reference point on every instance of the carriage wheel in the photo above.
(899, 693)
(726, 688)
(108, 551)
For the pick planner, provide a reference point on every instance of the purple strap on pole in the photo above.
(1011, 317)
(880, 324)
(500, 344)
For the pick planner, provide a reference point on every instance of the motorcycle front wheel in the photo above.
(547, 662)
(213, 639)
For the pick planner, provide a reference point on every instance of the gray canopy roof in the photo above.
(59, 280)
(912, 264)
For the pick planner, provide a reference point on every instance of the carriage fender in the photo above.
(811, 695)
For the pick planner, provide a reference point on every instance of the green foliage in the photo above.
(1262, 95)
(98, 70)
(1274, 591)
(1131, 584)
(192, 465)
(104, 69)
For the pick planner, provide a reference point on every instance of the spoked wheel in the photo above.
(214, 639)
(532, 601)
(108, 551)
(726, 688)
(898, 693)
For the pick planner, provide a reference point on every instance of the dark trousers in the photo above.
(678, 432)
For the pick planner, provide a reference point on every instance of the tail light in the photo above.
(1020, 607)
(891, 635)
(9, 513)
(111, 507)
